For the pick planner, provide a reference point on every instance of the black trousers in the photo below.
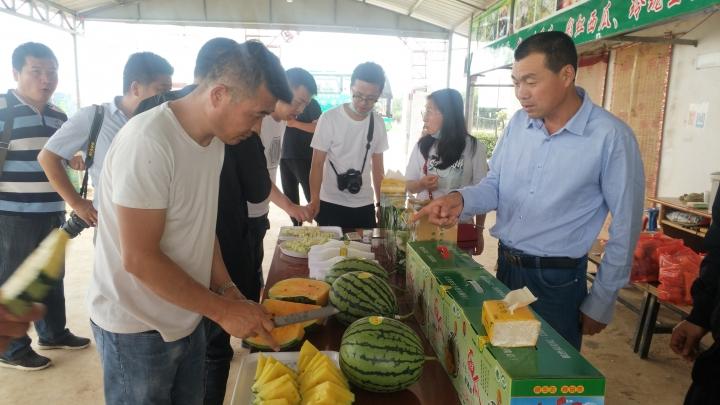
(706, 370)
(346, 217)
(243, 256)
(293, 173)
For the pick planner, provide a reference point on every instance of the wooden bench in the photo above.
(648, 324)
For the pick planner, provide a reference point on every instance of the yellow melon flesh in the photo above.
(321, 361)
(283, 387)
(261, 363)
(279, 307)
(303, 290)
(272, 372)
(324, 398)
(277, 401)
(318, 377)
(332, 389)
(285, 336)
(307, 352)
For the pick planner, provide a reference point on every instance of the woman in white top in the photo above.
(447, 158)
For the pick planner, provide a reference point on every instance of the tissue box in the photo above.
(505, 329)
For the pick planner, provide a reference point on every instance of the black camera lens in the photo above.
(354, 187)
(354, 181)
(74, 225)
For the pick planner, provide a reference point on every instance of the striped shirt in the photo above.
(24, 188)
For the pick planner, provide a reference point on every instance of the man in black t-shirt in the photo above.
(297, 154)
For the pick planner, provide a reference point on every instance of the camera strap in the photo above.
(371, 130)
(7, 129)
(92, 142)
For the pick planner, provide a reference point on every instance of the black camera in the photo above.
(74, 225)
(350, 180)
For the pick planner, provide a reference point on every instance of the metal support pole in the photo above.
(77, 69)
(468, 81)
(449, 56)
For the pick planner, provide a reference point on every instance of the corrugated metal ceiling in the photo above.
(452, 15)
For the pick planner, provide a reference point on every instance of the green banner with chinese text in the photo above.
(597, 19)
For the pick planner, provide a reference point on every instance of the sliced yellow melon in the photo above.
(307, 352)
(272, 372)
(341, 394)
(320, 361)
(323, 398)
(36, 276)
(261, 363)
(283, 387)
(277, 401)
(285, 336)
(318, 377)
(280, 307)
(303, 290)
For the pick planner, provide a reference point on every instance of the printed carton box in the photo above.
(551, 373)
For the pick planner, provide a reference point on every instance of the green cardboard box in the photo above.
(552, 373)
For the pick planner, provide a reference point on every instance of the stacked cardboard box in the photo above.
(448, 293)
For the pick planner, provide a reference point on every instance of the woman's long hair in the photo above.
(453, 132)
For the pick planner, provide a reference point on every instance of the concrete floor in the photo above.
(76, 377)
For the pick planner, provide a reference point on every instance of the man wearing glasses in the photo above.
(348, 145)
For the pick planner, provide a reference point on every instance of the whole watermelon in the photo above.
(358, 294)
(381, 354)
(354, 264)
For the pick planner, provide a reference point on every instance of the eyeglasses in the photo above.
(365, 99)
(428, 113)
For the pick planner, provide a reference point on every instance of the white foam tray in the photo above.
(242, 394)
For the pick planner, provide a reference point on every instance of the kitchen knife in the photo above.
(298, 317)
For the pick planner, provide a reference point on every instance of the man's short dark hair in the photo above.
(33, 49)
(247, 66)
(144, 68)
(209, 52)
(558, 48)
(300, 77)
(369, 72)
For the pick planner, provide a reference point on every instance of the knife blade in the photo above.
(298, 317)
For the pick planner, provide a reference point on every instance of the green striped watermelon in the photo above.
(358, 294)
(381, 354)
(354, 264)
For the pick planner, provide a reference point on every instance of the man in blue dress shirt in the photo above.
(562, 164)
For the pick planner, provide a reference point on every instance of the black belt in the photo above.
(519, 259)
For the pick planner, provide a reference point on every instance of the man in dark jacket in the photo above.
(704, 318)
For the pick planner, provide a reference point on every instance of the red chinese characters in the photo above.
(673, 3)
(635, 7)
(655, 6)
(580, 25)
(592, 22)
(605, 21)
(570, 26)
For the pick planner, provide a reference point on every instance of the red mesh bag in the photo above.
(677, 267)
(645, 265)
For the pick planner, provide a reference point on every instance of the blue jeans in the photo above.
(217, 362)
(560, 292)
(19, 236)
(141, 368)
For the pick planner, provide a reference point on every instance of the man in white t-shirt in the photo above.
(348, 146)
(145, 75)
(158, 268)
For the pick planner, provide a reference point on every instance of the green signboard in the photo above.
(590, 21)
